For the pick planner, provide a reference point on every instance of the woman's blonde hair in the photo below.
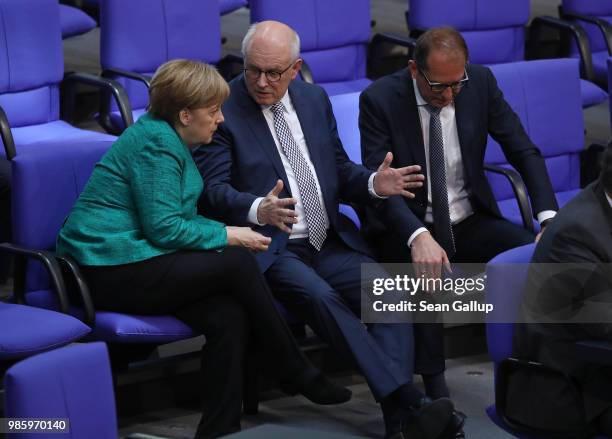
(182, 83)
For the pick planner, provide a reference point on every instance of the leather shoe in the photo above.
(431, 420)
(454, 428)
(322, 391)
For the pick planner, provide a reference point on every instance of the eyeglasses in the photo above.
(271, 75)
(438, 87)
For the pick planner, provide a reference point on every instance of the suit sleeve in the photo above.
(220, 200)
(506, 128)
(156, 188)
(577, 285)
(375, 143)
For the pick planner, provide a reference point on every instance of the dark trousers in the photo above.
(324, 287)
(478, 239)
(222, 295)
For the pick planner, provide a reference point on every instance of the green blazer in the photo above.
(140, 202)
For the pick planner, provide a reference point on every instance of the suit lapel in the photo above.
(465, 129)
(410, 121)
(261, 132)
(607, 209)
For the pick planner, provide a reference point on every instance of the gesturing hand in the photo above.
(273, 210)
(394, 181)
(245, 237)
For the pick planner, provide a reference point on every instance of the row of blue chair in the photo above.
(495, 33)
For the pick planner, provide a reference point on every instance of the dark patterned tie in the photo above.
(439, 193)
(305, 180)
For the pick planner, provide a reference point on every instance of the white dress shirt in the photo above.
(458, 192)
(300, 229)
(609, 199)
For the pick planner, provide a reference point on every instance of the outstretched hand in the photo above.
(275, 211)
(395, 181)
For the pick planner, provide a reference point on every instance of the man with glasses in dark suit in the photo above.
(437, 113)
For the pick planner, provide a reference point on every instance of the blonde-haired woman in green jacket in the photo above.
(143, 248)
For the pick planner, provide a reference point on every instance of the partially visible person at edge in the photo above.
(143, 248)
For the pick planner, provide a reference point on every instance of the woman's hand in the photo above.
(245, 237)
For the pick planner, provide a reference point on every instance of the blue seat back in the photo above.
(141, 35)
(333, 34)
(73, 382)
(46, 184)
(506, 274)
(593, 8)
(31, 61)
(346, 112)
(545, 95)
(494, 31)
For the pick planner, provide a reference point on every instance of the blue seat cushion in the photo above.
(342, 87)
(591, 93)
(74, 21)
(122, 328)
(25, 330)
(36, 135)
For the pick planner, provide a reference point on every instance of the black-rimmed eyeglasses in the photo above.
(438, 87)
(254, 73)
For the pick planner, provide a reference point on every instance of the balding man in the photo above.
(277, 164)
(437, 113)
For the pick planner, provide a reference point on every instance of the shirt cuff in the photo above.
(416, 233)
(546, 215)
(371, 187)
(252, 216)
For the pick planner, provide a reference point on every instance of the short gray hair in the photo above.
(294, 43)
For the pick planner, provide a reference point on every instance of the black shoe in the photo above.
(322, 391)
(430, 420)
(454, 428)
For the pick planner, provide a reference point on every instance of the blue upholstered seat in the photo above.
(601, 48)
(73, 382)
(334, 37)
(31, 69)
(138, 36)
(47, 182)
(552, 120)
(494, 31)
(74, 21)
(26, 331)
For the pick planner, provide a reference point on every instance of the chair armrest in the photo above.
(378, 39)
(111, 72)
(603, 25)
(575, 31)
(306, 73)
(50, 263)
(81, 286)
(107, 86)
(7, 136)
(520, 192)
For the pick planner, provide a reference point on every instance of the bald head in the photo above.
(271, 60)
(271, 35)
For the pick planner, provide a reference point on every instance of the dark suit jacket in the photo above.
(580, 238)
(243, 163)
(389, 121)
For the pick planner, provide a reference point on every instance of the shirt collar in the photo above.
(420, 101)
(608, 198)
